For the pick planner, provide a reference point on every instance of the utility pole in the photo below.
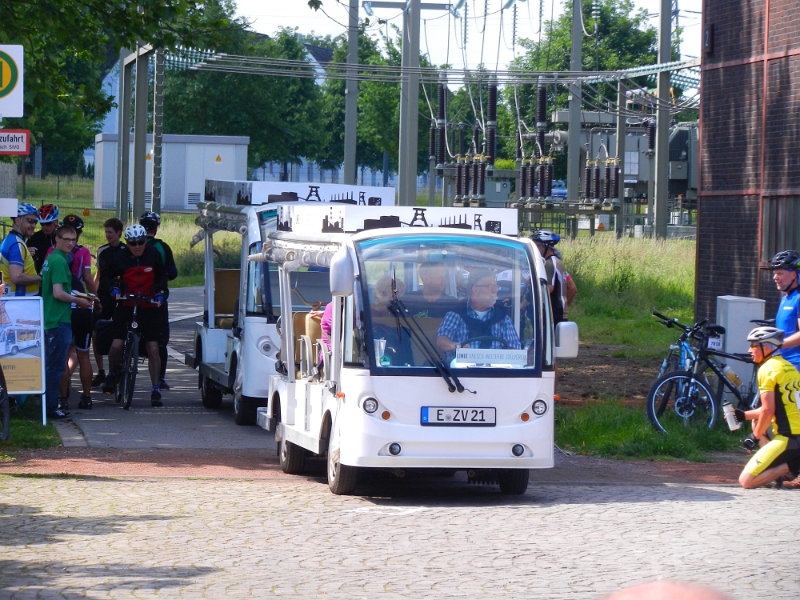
(575, 120)
(124, 134)
(409, 94)
(621, 132)
(351, 98)
(662, 120)
(158, 130)
(140, 130)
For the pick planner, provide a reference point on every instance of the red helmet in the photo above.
(48, 213)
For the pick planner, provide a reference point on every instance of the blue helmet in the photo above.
(27, 209)
(548, 238)
(48, 214)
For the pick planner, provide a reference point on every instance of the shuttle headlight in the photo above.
(370, 405)
(539, 407)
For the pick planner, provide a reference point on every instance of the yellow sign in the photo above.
(22, 374)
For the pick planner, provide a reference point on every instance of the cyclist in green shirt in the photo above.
(58, 301)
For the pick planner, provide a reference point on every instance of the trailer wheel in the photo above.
(292, 458)
(14, 350)
(513, 481)
(212, 395)
(342, 479)
(244, 409)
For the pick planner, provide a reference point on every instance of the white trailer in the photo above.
(237, 335)
(419, 372)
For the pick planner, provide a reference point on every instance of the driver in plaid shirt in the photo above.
(481, 316)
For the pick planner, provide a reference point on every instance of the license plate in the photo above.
(715, 343)
(458, 416)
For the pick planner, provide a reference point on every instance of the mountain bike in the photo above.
(692, 397)
(130, 352)
(682, 351)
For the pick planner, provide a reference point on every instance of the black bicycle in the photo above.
(130, 351)
(692, 397)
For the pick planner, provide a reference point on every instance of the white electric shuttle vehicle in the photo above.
(438, 351)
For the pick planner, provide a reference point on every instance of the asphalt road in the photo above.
(182, 422)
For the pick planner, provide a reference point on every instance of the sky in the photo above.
(492, 44)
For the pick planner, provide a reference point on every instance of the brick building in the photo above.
(749, 196)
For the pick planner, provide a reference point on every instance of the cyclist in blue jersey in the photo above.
(16, 261)
(785, 266)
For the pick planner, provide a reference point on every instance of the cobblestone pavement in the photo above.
(442, 538)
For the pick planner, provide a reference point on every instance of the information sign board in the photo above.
(11, 81)
(15, 142)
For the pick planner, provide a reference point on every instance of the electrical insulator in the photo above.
(548, 180)
(596, 10)
(617, 183)
(432, 141)
(492, 108)
(596, 183)
(462, 148)
(482, 178)
(587, 181)
(531, 180)
(441, 98)
(523, 178)
(490, 145)
(476, 140)
(466, 181)
(519, 145)
(607, 183)
(441, 147)
(541, 107)
(476, 174)
(651, 136)
(540, 142)
(459, 177)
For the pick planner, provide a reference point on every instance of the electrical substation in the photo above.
(630, 168)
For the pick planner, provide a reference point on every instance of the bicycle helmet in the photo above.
(788, 260)
(150, 217)
(766, 335)
(135, 232)
(548, 238)
(26, 209)
(48, 214)
(75, 222)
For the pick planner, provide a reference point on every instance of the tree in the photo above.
(57, 32)
(282, 116)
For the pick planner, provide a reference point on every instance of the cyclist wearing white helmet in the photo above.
(559, 282)
(137, 269)
(151, 222)
(16, 261)
(778, 383)
(785, 267)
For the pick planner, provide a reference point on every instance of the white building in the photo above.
(187, 161)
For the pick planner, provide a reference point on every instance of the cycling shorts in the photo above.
(82, 326)
(780, 450)
(149, 321)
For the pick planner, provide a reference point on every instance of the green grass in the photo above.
(613, 429)
(27, 431)
(620, 282)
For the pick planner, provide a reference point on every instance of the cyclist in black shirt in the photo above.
(39, 243)
(151, 221)
(105, 255)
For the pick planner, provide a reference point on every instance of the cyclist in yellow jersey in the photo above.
(779, 386)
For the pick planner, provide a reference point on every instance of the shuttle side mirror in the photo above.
(342, 273)
(567, 340)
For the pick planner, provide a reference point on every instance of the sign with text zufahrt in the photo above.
(15, 142)
(11, 81)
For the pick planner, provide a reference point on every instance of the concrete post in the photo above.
(158, 129)
(140, 133)
(619, 220)
(574, 133)
(662, 122)
(124, 137)
(351, 98)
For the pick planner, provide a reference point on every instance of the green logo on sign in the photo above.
(9, 75)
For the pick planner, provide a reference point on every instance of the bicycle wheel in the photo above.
(132, 366)
(122, 379)
(676, 403)
(5, 414)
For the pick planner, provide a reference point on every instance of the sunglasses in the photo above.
(31, 221)
(137, 243)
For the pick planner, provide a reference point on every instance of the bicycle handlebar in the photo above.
(137, 296)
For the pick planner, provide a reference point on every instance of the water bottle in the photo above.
(731, 374)
(730, 418)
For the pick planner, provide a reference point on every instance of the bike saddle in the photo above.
(716, 329)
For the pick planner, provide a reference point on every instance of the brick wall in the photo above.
(733, 181)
